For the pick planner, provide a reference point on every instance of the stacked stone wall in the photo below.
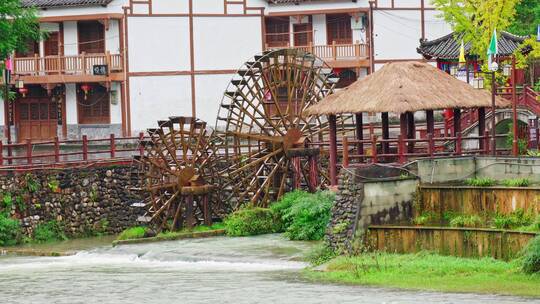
(84, 201)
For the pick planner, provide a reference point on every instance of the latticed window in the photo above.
(338, 29)
(95, 108)
(277, 31)
(91, 37)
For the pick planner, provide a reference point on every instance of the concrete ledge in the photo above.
(435, 186)
(180, 236)
(34, 252)
(452, 228)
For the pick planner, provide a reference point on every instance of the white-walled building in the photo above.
(176, 57)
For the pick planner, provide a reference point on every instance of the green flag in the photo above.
(492, 49)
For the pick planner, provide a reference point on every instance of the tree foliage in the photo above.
(476, 19)
(18, 25)
(527, 18)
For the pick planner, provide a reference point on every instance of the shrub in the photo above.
(480, 182)
(515, 219)
(281, 207)
(466, 221)
(309, 216)
(531, 257)
(49, 231)
(132, 233)
(10, 231)
(251, 221)
(425, 218)
(516, 182)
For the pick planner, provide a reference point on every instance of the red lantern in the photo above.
(23, 91)
(86, 89)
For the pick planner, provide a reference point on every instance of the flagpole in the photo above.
(515, 147)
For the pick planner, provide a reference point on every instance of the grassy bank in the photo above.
(425, 271)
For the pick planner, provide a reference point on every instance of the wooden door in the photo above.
(36, 116)
(302, 34)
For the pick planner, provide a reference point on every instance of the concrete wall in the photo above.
(448, 170)
(362, 201)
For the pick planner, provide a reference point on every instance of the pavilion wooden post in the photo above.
(402, 135)
(411, 131)
(430, 122)
(333, 149)
(457, 121)
(385, 132)
(359, 133)
(457, 129)
(481, 126)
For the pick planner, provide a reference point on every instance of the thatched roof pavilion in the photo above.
(405, 88)
(401, 87)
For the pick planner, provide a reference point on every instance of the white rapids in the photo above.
(263, 269)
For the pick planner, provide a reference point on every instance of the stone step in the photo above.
(144, 219)
(138, 204)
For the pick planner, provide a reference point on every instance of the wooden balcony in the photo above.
(67, 69)
(336, 55)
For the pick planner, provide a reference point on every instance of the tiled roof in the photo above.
(63, 3)
(447, 47)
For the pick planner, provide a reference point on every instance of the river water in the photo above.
(262, 269)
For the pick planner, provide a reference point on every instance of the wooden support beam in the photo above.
(359, 125)
(457, 121)
(430, 122)
(411, 131)
(385, 131)
(481, 126)
(333, 149)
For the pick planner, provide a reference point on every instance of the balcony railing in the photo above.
(333, 51)
(75, 65)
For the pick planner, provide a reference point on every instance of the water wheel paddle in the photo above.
(178, 173)
(265, 140)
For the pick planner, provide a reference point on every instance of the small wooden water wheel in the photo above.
(268, 144)
(178, 175)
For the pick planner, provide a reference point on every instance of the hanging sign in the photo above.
(100, 70)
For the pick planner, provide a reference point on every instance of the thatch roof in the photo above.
(405, 87)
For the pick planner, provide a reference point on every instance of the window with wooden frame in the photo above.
(303, 34)
(277, 31)
(91, 37)
(95, 107)
(338, 29)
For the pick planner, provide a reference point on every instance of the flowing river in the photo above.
(262, 269)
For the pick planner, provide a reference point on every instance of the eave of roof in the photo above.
(43, 4)
(447, 47)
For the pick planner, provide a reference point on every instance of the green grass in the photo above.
(516, 182)
(480, 182)
(426, 271)
(132, 233)
(466, 221)
(49, 232)
(201, 228)
(427, 217)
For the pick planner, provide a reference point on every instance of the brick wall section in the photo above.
(86, 200)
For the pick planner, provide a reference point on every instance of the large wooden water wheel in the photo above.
(178, 174)
(267, 143)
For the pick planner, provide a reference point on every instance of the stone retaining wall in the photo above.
(84, 201)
